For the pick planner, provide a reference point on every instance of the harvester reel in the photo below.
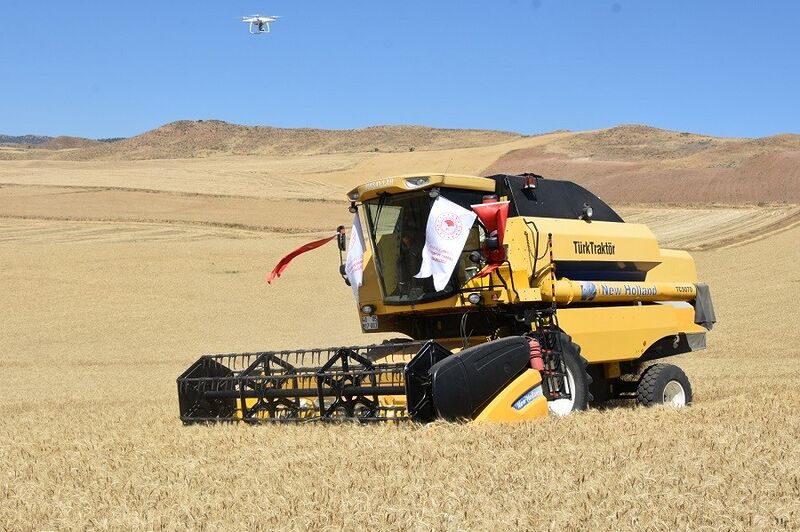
(277, 408)
(346, 405)
(330, 384)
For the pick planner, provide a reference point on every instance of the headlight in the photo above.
(353, 195)
(474, 298)
(413, 182)
(367, 309)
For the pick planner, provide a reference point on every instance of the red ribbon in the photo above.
(284, 262)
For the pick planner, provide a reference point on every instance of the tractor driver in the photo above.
(412, 240)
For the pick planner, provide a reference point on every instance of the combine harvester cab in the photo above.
(523, 296)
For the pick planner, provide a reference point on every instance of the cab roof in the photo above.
(419, 181)
(549, 198)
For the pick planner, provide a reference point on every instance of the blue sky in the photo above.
(104, 69)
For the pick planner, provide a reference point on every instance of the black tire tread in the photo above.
(646, 391)
(583, 364)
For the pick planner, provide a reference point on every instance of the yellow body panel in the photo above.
(675, 266)
(525, 392)
(608, 334)
(628, 242)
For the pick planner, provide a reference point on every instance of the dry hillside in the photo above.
(188, 139)
(624, 164)
(68, 143)
(643, 164)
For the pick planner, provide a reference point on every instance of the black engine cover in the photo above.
(464, 383)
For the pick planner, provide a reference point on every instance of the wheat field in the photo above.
(98, 318)
(117, 276)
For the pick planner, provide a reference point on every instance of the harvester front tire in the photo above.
(664, 384)
(577, 369)
(600, 387)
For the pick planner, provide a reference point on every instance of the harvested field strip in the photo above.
(24, 189)
(275, 177)
(682, 228)
(58, 231)
(127, 205)
(696, 229)
(175, 225)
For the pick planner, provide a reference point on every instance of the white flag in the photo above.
(445, 235)
(354, 264)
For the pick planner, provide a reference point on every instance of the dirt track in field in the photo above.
(102, 309)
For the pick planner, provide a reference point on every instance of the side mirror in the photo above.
(341, 239)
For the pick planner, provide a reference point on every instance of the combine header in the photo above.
(522, 295)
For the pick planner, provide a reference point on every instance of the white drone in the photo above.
(259, 23)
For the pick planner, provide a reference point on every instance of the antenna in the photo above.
(448, 165)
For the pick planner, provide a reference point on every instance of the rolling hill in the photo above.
(205, 138)
(624, 164)
(631, 164)
(67, 143)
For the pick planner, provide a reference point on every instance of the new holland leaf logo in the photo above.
(588, 291)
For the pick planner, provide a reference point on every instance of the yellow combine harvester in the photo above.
(522, 295)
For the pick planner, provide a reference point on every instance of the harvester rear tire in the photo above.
(664, 384)
(577, 368)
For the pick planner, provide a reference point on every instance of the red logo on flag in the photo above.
(448, 226)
